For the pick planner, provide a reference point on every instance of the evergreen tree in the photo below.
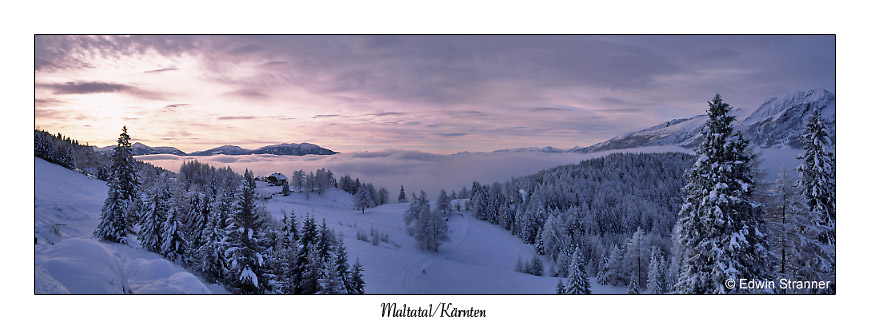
(362, 200)
(330, 281)
(795, 236)
(402, 198)
(155, 213)
(356, 279)
(537, 267)
(342, 268)
(303, 273)
(197, 215)
(635, 262)
(722, 234)
(324, 243)
(247, 258)
(614, 267)
(655, 273)
(560, 288)
(785, 212)
(443, 205)
(293, 226)
(603, 268)
(211, 255)
(578, 279)
(285, 188)
(633, 287)
(173, 247)
(818, 177)
(298, 180)
(383, 196)
(119, 210)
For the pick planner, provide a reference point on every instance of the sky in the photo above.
(436, 94)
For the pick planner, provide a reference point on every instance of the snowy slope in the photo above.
(479, 258)
(67, 259)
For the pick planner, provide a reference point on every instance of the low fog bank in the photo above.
(425, 171)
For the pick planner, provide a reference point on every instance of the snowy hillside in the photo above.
(777, 123)
(69, 260)
(478, 258)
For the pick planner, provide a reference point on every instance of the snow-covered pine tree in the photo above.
(402, 197)
(362, 200)
(553, 237)
(633, 287)
(655, 273)
(357, 282)
(422, 225)
(722, 235)
(563, 264)
(307, 242)
(293, 226)
(603, 268)
(212, 255)
(818, 177)
(172, 236)
(578, 279)
(560, 288)
(614, 266)
(442, 206)
(311, 274)
(537, 267)
(246, 252)
(342, 267)
(119, 211)
(285, 260)
(784, 211)
(383, 196)
(155, 212)
(298, 180)
(330, 280)
(635, 260)
(795, 236)
(325, 243)
(198, 212)
(427, 227)
(285, 188)
(676, 261)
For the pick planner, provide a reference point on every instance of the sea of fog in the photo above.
(425, 171)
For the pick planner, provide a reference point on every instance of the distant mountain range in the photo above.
(277, 149)
(776, 123)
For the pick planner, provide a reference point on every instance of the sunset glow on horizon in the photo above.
(437, 94)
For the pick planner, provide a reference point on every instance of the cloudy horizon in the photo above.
(436, 94)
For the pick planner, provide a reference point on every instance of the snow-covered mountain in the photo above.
(546, 149)
(224, 150)
(293, 149)
(142, 149)
(277, 149)
(777, 123)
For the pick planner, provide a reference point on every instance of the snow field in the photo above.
(67, 259)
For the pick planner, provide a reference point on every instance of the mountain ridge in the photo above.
(275, 149)
(777, 123)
